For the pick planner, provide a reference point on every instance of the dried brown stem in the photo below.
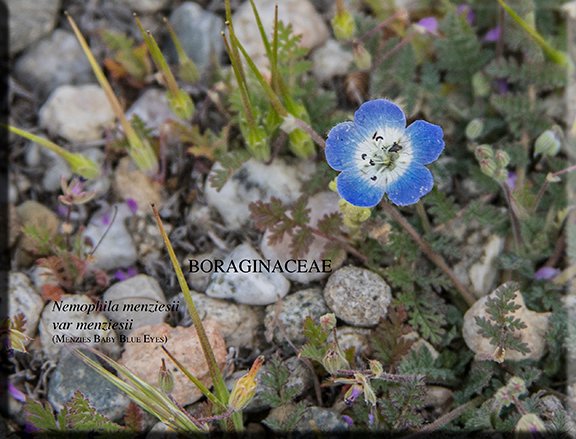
(434, 257)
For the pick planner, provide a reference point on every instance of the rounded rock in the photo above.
(250, 288)
(117, 249)
(253, 181)
(238, 323)
(64, 323)
(30, 20)
(72, 374)
(357, 296)
(77, 113)
(305, 21)
(145, 359)
(199, 33)
(23, 299)
(285, 322)
(54, 61)
(140, 289)
(533, 335)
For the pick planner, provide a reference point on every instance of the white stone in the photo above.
(238, 323)
(483, 274)
(140, 289)
(145, 6)
(54, 61)
(23, 299)
(52, 317)
(30, 20)
(252, 182)
(357, 296)
(77, 113)
(305, 21)
(153, 109)
(320, 204)
(249, 288)
(117, 249)
(331, 60)
(533, 335)
(284, 322)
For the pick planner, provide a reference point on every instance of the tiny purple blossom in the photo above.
(16, 393)
(132, 205)
(511, 180)
(122, 275)
(352, 394)
(465, 8)
(106, 218)
(546, 273)
(492, 35)
(430, 24)
(502, 86)
(348, 420)
(377, 155)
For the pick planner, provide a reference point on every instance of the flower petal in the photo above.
(341, 145)
(426, 139)
(378, 115)
(416, 182)
(357, 190)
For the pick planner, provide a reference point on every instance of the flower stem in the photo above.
(220, 388)
(544, 186)
(423, 217)
(516, 231)
(447, 418)
(434, 257)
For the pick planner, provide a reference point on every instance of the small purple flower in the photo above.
(352, 394)
(511, 180)
(378, 155)
(16, 393)
(492, 35)
(465, 8)
(132, 205)
(430, 24)
(371, 418)
(105, 218)
(348, 420)
(502, 86)
(122, 275)
(546, 273)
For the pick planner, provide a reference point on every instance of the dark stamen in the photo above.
(373, 178)
(395, 147)
(372, 162)
(363, 156)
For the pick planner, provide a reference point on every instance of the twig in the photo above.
(434, 257)
(447, 418)
(318, 139)
(516, 230)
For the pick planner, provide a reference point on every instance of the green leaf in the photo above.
(81, 416)
(41, 416)
(425, 311)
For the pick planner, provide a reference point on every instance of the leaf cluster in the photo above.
(502, 327)
(76, 415)
(274, 382)
(274, 217)
(316, 340)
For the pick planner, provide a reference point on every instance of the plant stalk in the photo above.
(434, 257)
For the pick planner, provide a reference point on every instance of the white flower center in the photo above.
(384, 157)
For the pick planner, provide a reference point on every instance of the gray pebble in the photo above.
(357, 296)
(72, 374)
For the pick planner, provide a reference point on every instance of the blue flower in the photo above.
(378, 155)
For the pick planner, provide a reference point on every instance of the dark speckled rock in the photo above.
(290, 316)
(72, 374)
(357, 296)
